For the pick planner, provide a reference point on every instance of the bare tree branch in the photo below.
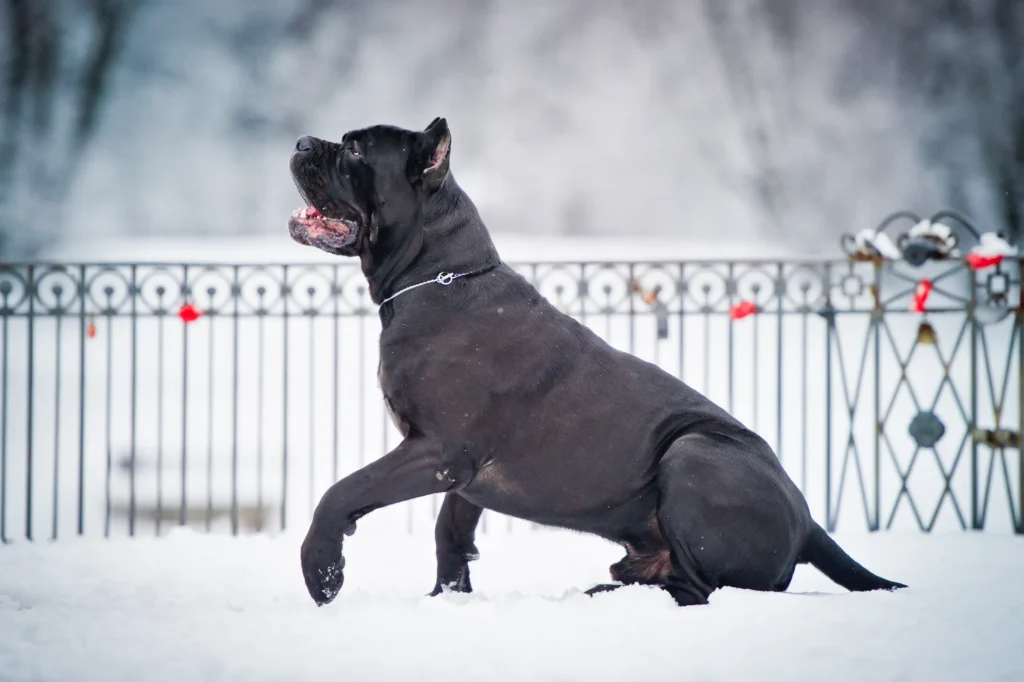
(17, 77)
(112, 19)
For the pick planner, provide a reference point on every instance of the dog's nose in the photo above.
(304, 144)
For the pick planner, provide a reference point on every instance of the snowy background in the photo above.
(786, 120)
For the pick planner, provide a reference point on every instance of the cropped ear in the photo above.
(429, 162)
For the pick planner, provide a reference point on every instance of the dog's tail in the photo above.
(822, 552)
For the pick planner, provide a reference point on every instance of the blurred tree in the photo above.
(961, 68)
(971, 77)
(801, 120)
(58, 56)
(953, 68)
(756, 80)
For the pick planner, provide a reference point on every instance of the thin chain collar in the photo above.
(443, 278)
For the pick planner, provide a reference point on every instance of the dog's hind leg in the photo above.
(598, 589)
(728, 517)
(454, 536)
(647, 561)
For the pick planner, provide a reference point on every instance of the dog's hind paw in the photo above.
(598, 589)
(452, 581)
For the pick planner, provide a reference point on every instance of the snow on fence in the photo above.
(137, 397)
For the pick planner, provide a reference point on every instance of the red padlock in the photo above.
(924, 287)
(741, 310)
(189, 313)
(978, 261)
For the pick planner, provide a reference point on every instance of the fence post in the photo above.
(30, 403)
(876, 322)
(830, 318)
(1019, 324)
(975, 511)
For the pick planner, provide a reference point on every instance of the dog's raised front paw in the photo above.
(322, 568)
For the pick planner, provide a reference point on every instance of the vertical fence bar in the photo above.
(235, 295)
(133, 294)
(185, 293)
(756, 361)
(362, 385)
(803, 393)
(877, 426)
(29, 408)
(56, 412)
(312, 400)
(335, 398)
(632, 310)
(83, 292)
(706, 389)
(828, 399)
(608, 326)
(210, 349)
(260, 360)
(730, 284)
(1019, 324)
(656, 344)
(608, 309)
(683, 290)
(583, 290)
(285, 291)
(6, 292)
(780, 301)
(160, 410)
(975, 520)
(108, 407)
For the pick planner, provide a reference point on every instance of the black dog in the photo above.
(507, 404)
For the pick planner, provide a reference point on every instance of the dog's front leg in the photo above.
(413, 469)
(453, 537)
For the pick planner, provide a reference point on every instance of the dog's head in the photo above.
(374, 179)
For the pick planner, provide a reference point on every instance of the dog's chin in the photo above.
(337, 236)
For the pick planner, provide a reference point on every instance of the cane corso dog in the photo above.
(505, 403)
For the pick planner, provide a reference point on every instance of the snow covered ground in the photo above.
(194, 607)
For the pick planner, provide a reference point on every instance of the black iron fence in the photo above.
(139, 397)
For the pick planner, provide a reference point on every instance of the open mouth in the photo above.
(309, 226)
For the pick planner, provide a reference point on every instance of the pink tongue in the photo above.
(312, 212)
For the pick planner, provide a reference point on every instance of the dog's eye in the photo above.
(353, 151)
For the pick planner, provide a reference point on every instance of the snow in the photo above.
(196, 607)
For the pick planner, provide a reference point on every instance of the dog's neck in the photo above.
(449, 237)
